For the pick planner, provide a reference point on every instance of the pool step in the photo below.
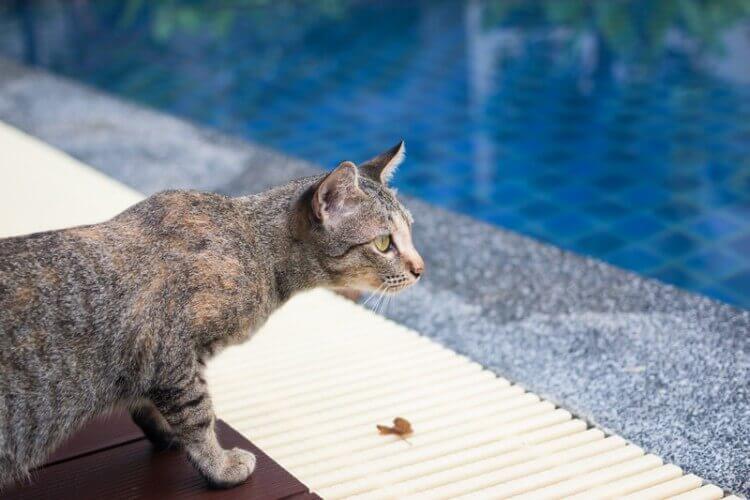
(311, 386)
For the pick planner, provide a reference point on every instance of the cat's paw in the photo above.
(235, 468)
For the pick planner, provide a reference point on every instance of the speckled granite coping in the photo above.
(666, 369)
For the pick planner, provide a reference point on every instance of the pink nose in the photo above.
(416, 266)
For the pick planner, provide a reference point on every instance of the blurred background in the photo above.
(616, 129)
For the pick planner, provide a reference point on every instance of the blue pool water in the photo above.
(615, 129)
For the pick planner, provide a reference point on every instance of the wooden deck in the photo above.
(111, 459)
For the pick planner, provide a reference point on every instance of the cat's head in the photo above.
(360, 232)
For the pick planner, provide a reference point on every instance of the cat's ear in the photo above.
(382, 167)
(337, 193)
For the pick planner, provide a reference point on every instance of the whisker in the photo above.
(372, 295)
(380, 301)
(379, 296)
(382, 298)
(367, 300)
(377, 303)
(388, 299)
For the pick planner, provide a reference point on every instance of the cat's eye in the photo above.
(383, 243)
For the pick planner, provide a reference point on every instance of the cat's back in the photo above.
(168, 235)
(196, 246)
(180, 221)
(33, 269)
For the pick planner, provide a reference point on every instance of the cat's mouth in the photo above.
(396, 284)
(388, 285)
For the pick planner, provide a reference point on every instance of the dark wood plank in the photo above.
(134, 470)
(102, 432)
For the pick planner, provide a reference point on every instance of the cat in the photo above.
(128, 312)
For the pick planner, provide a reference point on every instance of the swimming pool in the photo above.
(619, 130)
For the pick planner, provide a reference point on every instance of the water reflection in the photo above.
(617, 129)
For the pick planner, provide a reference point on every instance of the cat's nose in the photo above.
(416, 267)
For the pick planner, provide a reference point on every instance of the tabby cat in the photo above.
(127, 312)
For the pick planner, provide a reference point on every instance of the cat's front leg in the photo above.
(188, 410)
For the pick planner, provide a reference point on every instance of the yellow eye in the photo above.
(383, 243)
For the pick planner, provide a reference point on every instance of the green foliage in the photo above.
(636, 28)
(168, 18)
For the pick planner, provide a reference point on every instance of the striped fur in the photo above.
(127, 312)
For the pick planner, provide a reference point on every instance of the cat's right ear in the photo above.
(382, 167)
(337, 194)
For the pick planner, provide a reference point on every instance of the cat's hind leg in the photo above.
(187, 409)
(153, 424)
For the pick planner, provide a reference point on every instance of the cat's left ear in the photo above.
(337, 194)
(382, 167)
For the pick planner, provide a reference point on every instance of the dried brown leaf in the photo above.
(401, 427)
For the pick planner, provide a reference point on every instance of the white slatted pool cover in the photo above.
(313, 383)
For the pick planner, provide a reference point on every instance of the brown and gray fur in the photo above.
(127, 312)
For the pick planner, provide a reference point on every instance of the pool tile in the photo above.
(638, 227)
(550, 180)
(576, 194)
(677, 211)
(600, 243)
(539, 209)
(715, 227)
(568, 225)
(741, 245)
(721, 293)
(739, 284)
(635, 259)
(683, 182)
(606, 209)
(676, 243)
(715, 263)
(511, 194)
(678, 277)
(613, 182)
